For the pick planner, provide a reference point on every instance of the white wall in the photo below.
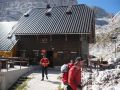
(8, 78)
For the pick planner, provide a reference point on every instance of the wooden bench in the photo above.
(100, 64)
(104, 65)
(21, 61)
(18, 61)
(94, 62)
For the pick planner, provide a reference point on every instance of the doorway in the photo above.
(49, 55)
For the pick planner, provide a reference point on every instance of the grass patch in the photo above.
(23, 85)
(59, 87)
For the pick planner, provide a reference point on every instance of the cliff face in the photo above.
(102, 17)
(12, 10)
(101, 13)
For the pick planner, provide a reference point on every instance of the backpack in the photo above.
(64, 68)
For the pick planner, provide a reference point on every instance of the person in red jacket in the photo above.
(44, 63)
(74, 76)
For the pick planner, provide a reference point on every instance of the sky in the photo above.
(112, 6)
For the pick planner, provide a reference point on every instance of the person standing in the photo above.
(44, 62)
(74, 76)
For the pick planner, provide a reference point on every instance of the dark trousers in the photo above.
(44, 71)
(69, 87)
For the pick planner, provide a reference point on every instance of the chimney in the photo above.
(48, 10)
(26, 15)
(48, 6)
(69, 12)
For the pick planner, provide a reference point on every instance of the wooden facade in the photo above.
(6, 54)
(60, 48)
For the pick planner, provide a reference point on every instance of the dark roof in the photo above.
(7, 41)
(56, 21)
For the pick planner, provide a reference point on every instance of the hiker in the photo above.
(74, 75)
(71, 63)
(44, 62)
(64, 73)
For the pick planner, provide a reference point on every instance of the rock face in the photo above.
(12, 10)
(102, 17)
(101, 13)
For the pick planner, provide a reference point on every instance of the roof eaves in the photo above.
(50, 33)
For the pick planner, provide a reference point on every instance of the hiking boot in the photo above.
(42, 79)
(46, 77)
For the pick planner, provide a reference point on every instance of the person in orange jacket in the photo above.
(44, 62)
(74, 76)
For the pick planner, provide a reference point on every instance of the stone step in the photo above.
(18, 82)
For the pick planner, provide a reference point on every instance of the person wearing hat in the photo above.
(74, 76)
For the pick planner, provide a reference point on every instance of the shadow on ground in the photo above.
(54, 82)
(50, 71)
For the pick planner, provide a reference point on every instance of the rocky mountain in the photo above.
(102, 17)
(107, 39)
(12, 10)
(101, 13)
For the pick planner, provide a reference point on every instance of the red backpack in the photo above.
(65, 70)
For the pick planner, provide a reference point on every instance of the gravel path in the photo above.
(36, 84)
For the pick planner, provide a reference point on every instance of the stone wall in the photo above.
(9, 78)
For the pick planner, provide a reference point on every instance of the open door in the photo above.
(49, 55)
